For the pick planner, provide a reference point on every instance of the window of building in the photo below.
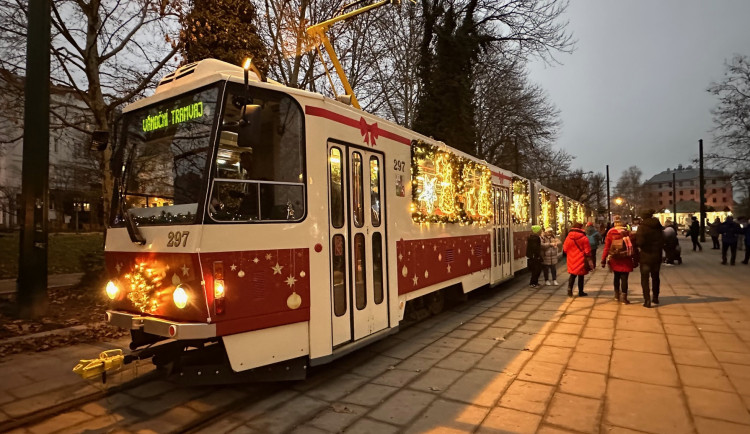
(681, 192)
(680, 183)
(714, 200)
(692, 183)
(724, 190)
(661, 202)
(660, 185)
(670, 201)
(713, 181)
(713, 190)
(692, 191)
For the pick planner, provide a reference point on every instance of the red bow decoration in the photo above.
(369, 132)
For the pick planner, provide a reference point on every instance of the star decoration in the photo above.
(256, 260)
(434, 248)
(468, 262)
(185, 270)
(426, 274)
(404, 271)
(233, 267)
(241, 274)
(118, 267)
(415, 280)
(449, 268)
(400, 258)
(291, 280)
(302, 274)
(268, 256)
(277, 268)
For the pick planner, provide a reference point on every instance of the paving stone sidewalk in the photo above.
(529, 360)
(517, 360)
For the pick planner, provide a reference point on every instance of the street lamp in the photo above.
(618, 201)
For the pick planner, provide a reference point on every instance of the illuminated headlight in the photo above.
(112, 290)
(180, 296)
(218, 288)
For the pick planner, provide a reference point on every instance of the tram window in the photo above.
(377, 267)
(375, 190)
(337, 188)
(259, 167)
(358, 208)
(339, 274)
(360, 272)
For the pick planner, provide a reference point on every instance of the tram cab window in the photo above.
(258, 174)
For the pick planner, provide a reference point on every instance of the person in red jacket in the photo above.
(622, 260)
(578, 251)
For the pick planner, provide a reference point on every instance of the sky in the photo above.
(634, 90)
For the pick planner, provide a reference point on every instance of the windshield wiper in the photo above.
(135, 234)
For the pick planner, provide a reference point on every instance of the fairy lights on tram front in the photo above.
(521, 204)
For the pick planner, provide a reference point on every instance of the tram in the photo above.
(258, 229)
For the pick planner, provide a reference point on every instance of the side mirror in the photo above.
(250, 131)
(99, 140)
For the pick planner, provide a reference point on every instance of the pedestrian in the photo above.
(729, 231)
(650, 242)
(578, 250)
(713, 230)
(534, 255)
(622, 257)
(550, 250)
(595, 238)
(670, 243)
(742, 220)
(695, 231)
(746, 231)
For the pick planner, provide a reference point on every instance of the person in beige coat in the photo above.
(550, 249)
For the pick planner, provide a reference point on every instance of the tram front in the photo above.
(211, 181)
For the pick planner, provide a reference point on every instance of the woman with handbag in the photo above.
(578, 251)
(622, 258)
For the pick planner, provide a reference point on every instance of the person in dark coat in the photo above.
(621, 265)
(650, 241)
(534, 255)
(578, 251)
(695, 231)
(670, 244)
(729, 231)
(713, 230)
(746, 230)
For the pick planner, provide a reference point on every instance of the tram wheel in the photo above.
(435, 302)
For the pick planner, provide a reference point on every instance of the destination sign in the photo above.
(164, 119)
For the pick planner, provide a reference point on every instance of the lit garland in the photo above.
(581, 212)
(571, 211)
(144, 288)
(560, 214)
(447, 188)
(545, 206)
(521, 203)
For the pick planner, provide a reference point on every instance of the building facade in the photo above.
(74, 173)
(718, 189)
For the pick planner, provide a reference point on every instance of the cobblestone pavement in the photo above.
(515, 359)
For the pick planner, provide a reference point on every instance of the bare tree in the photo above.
(732, 117)
(630, 189)
(108, 52)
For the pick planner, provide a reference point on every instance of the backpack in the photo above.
(593, 242)
(621, 248)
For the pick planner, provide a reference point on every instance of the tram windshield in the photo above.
(165, 151)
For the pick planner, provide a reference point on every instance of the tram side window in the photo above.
(375, 190)
(259, 171)
(377, 267)
(337, 188)
(339, 274)
(360, 272)
(358, 208)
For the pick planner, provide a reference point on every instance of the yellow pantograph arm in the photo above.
(318, 32)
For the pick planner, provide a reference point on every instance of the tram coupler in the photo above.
(108, 361)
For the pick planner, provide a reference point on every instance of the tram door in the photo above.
(359, 292)
(501, 265)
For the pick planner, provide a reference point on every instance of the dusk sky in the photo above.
(634, 90)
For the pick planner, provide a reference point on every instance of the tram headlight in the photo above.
(180, 296)
(112, 290)
(219, 288)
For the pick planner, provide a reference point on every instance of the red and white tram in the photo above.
(260, 229)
